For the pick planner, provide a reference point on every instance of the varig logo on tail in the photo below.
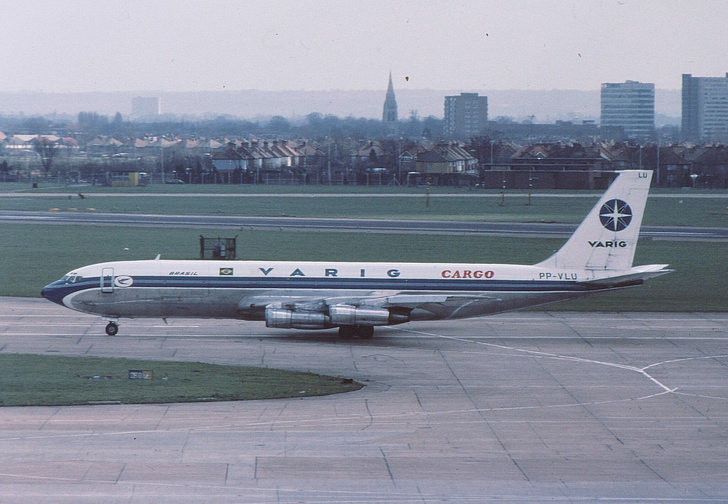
(615, 215)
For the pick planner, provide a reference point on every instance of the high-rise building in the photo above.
(704, 108)
(465, 115)
(631, 106)
(145, 107)
(389, 113)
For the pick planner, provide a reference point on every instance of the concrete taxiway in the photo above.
(525, 407)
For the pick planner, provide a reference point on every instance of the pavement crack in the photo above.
(280, 414)
(389, 469)
(371, 417)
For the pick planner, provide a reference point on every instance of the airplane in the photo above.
(357, 296)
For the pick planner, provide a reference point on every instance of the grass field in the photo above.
(53, 187)
(43, 380)
(464, 206)
(34, 255)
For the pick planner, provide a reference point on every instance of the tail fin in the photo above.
(607, 238)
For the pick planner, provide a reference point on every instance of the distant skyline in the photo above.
(521, 105)
(217, 45)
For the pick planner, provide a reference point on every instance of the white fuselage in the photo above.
(243, 289)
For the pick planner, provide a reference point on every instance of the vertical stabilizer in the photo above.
(607, 238)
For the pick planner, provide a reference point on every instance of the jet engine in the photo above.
(289, 319)
(339, 315)
(347, 315)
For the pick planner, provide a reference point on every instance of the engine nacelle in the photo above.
(347, 315)
(288, 319)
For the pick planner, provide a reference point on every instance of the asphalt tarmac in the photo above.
(523, 407)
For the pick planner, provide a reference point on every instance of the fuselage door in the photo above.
(107, 280)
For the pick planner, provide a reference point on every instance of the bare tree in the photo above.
(47, 150)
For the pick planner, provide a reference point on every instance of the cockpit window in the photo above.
(70, 278)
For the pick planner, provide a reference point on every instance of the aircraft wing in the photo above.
(435, 303)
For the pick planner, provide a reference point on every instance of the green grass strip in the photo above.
(35, 255)
(43, 380)
(570, 209)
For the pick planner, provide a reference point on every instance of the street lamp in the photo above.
(503, 194)
(328, 161)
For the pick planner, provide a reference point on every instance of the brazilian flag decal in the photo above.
(226, 271)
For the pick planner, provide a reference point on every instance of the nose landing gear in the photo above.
(112, 328)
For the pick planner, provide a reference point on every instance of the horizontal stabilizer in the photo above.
(634, 276)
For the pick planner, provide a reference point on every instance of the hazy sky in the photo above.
(178, 45)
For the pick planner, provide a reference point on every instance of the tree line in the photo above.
(314, 126)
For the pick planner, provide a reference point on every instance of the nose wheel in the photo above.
(112, 328)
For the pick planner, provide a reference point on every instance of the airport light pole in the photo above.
(328, 160)
(503, 193)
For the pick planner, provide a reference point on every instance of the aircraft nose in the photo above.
(52, 293)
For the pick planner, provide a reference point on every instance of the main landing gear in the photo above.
(112, 328)
(362, 331)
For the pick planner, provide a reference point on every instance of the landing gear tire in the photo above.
(347, 332)
(112, 328)
(365, 331)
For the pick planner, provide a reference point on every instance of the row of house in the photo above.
(18, 144)
(439, 163)
(105, 145)
(680, 165)
(492, 164)
(263, 155)
(562, 165)
(110, 145)
(256, 156)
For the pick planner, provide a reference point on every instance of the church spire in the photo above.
(389, 114)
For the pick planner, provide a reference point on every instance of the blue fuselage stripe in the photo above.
(295, 283)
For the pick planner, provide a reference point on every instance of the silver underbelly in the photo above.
(159, 302)
(230, 303)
